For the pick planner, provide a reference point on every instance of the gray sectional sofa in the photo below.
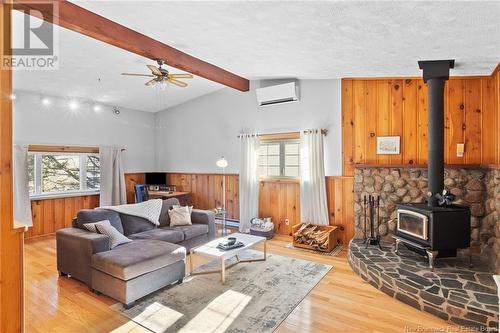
(154, 259)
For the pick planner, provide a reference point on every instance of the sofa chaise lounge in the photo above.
(154, 259)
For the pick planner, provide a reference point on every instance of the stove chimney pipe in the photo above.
(435, 73)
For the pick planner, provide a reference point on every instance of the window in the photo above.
(279, 159)
(63, 173)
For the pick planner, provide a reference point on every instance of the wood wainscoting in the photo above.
(50, 215)
(131, 179)
(398, 107)
(206, 190)
(278, 199)
(491, 125)
(339, 191)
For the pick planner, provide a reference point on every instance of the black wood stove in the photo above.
(435, 230)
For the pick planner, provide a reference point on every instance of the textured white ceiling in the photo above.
(302, 39)
(91, 70)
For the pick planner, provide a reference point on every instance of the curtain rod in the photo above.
(323, 131)
(62, 148)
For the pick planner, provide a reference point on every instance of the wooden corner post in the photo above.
(11, 239)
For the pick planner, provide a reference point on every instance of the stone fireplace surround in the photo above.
(476, 187)
(454, 292)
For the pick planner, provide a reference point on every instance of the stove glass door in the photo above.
(413, 223)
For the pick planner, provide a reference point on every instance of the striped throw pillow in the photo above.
(115, 237)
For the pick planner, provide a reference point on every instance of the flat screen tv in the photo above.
(156, 178)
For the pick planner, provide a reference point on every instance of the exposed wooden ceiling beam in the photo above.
(76, 18)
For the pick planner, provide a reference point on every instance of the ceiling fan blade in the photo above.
(131, 74)
(151, 82)
(177, 83)
(154, 70)
(181, 76)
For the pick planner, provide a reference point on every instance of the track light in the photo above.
(45, 101)
(116, 111)
(97, 108)
(73, 105)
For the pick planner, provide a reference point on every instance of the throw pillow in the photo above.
(92, 226)
(179, 216)
(115, 237)
(178, 206)
(96, 215)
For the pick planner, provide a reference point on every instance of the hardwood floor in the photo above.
(341, 302)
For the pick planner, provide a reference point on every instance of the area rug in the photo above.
(336, 250)
(256, 297)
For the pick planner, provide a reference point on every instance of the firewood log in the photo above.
(301, 229)
(312, 236)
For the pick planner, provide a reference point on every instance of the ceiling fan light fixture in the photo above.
(163, 85)
(162, 77)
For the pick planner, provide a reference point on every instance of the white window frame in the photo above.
(57, 194)
(282, 155)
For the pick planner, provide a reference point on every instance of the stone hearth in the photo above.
(478, 188)
(453, 291)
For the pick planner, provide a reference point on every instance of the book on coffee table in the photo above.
(226, 246)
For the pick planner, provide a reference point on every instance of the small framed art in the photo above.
(388, 145)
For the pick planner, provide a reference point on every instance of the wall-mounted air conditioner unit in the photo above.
(281, 93)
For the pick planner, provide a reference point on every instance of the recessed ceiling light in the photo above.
(97, 108)
(46, 101)
(13, 97)
(73, 105)
(116, 111)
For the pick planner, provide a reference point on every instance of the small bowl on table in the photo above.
(231, 241)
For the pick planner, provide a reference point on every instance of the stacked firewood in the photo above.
(311, 235)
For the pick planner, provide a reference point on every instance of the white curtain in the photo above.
(313, 203)
(112, 177)
(249, 181)
(22, 203)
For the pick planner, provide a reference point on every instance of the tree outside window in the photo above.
(63, 173)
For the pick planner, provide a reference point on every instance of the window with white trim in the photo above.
(55, 173)
(279, 158)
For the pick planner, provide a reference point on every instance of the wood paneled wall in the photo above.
(206, 190)
(398, 107)
(339, 191)
(11, 237)
(491, 123)
(131, 179)
(50, 215)
(279, 200)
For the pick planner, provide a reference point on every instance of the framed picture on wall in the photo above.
(388, 145)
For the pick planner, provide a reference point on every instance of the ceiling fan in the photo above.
(161, 75)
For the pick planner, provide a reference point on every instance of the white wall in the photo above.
(190, 137)
(57, 124)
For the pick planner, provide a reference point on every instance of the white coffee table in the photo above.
(210, 250)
